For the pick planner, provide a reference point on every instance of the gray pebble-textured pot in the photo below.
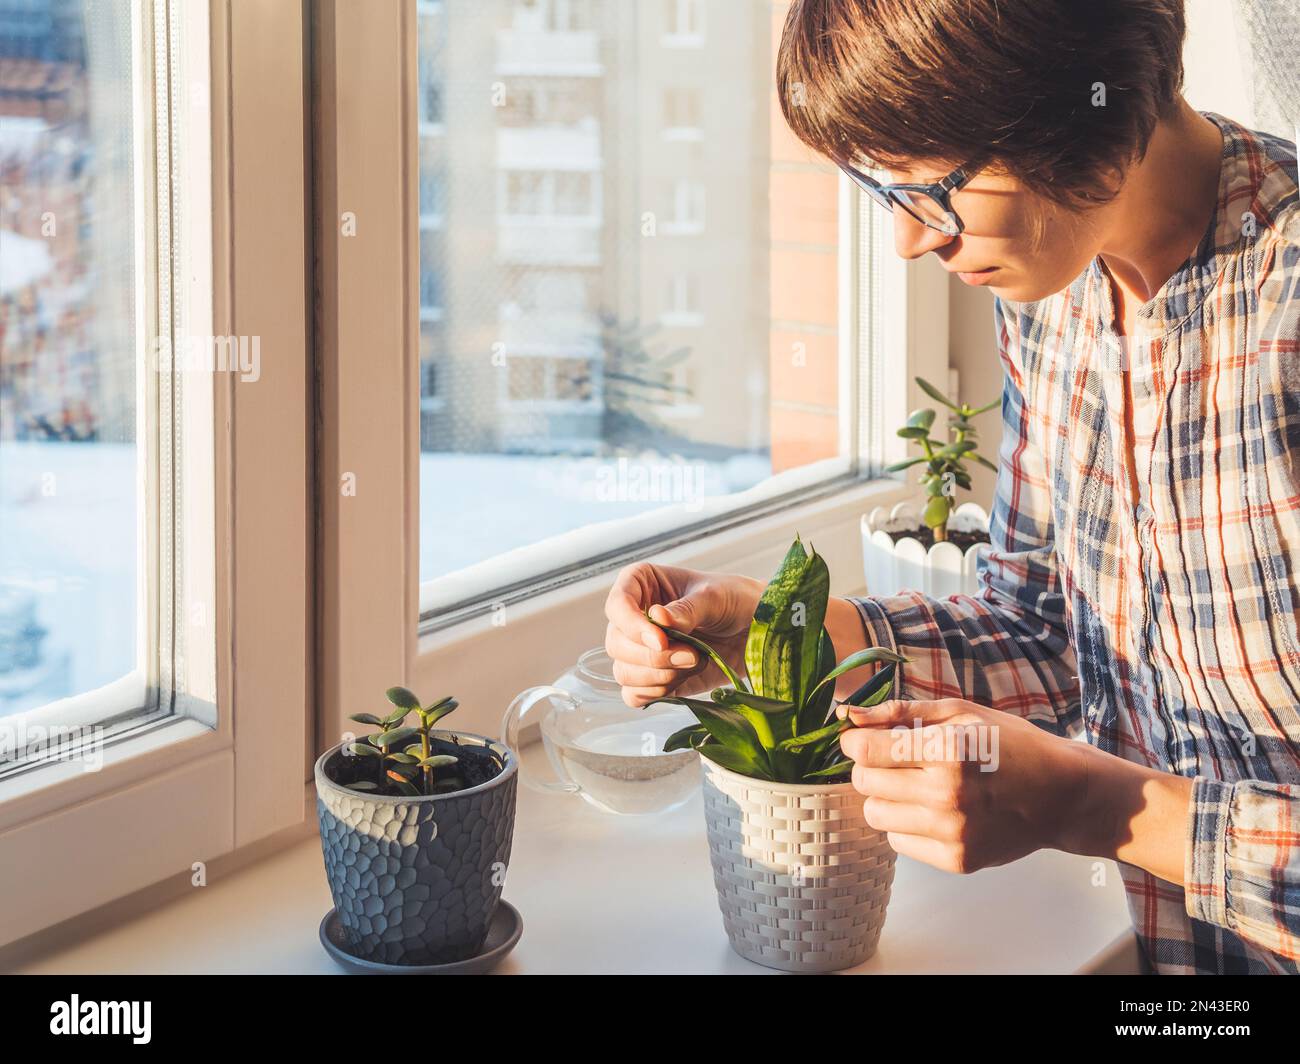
(417, 880)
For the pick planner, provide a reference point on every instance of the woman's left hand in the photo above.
(964, 787)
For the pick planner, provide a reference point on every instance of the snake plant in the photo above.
(778, 724)
(403, 757)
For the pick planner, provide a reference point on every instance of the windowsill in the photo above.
(606, 894)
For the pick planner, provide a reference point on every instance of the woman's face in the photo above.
(1020, 245)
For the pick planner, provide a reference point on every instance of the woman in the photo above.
(1146, 529)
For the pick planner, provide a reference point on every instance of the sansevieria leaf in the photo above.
(840, 768)
(685, 738)
(801, 743)
(737, 760)
(776, 596)
(732, 699)
(870, 656)
(779, 727)
(703, 648)
(727, 726)
(782, 647)
(769, 717)
(813, 594)
(875, 690)
(817, 704)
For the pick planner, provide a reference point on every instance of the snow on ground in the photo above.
(68, 539)
(68, 532)
(474, 507)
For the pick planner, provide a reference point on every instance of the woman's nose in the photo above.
(912, 239)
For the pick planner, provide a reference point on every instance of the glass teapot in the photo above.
(598, 746)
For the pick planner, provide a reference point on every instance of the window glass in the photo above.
(70, 524)
(629, 285)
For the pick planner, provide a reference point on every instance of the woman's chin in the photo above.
(1016, 291)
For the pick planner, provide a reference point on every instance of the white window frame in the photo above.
(193, 790)
(370, 634)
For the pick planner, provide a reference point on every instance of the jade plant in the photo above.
(944, 462)
(403, 757)
(778, 723)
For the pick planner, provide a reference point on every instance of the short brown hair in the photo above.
(1013, 84)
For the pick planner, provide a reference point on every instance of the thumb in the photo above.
(896, 711)
(682, 614)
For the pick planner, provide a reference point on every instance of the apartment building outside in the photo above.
(621, 249)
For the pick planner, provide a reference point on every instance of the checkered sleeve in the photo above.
(1242, 861)
(1009, 646)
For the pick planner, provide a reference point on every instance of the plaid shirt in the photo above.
(1145, 588)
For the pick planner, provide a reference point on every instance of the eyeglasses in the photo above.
(928, 204)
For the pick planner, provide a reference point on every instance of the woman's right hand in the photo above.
(713, 607)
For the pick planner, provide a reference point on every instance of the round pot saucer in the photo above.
(504, 931)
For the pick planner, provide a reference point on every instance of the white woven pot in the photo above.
(802, 879)
(894, 561)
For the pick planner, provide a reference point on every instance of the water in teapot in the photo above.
(621, 767)
(599, 747)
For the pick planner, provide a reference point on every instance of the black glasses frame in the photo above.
(940, 192)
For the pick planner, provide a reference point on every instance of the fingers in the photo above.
(882, 748)
(648, 674)
(619, 647)
(892, 712)
(648, 663)
(682, 614)
(911, 819)
(908, 711)
(941, 854)
(634, 589)
(894, 784)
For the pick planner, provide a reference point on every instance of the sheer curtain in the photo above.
(1269, 42)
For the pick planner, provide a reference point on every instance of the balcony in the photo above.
(550, 147)
(575, 54)
(542, 241)
(573, 334)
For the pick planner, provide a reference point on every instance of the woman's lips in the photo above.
(978, 276)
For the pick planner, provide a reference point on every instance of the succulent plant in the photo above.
(403, 756)
(780, 724)
(945, 462)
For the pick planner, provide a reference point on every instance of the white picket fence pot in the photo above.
(803, 880)
(894, 561)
